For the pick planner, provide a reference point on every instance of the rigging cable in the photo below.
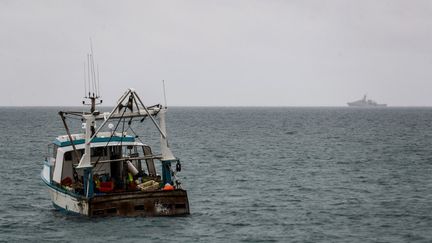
(136, 134)
(115, 129)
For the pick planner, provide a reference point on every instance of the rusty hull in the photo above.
(155, 203)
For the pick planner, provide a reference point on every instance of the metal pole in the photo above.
(164, 92)
(69, 135)
(112, 112)
(148, 113)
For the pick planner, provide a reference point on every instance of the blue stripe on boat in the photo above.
(96, 140)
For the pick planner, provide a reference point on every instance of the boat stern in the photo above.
(155, 203)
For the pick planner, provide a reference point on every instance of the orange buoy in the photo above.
(168, 187)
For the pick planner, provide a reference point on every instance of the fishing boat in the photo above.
(105, 171)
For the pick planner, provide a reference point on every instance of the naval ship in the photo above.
(365, 103)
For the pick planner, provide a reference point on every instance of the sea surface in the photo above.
(252, 175)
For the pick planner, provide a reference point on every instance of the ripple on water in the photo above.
(252, 175)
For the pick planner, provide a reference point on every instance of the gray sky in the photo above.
(219, 53)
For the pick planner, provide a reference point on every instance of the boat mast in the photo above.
(90, 120)
(167, 156)
(93, 104)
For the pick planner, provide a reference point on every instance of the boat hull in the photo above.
(366, 105)
(155, 203)
(66, 202)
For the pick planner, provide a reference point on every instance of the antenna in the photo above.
(164, 93)
(93, 76)
(91, 80)
(98, 86)
(85, 80)
(88, 75)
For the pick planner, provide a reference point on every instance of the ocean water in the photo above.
(252, 175)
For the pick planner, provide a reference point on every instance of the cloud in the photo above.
(218, 52)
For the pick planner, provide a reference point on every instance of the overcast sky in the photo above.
(219, 53)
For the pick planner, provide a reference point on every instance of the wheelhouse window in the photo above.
(99, 152)
(52, 151)
(68, 156)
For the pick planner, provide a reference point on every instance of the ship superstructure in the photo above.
(365, 103)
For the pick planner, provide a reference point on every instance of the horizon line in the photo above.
(227, 106)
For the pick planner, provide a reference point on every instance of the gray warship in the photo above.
(365, 103)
